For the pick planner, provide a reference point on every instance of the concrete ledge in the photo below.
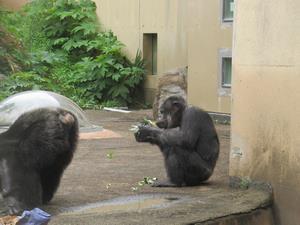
(256, 217)
(209, 205)
(245, 183)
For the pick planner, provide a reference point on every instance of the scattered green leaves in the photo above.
(146, 122)
(245, 183)
(149, 122)
(109, 155)
(142, 183)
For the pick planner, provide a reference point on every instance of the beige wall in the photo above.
(266, 100)
(12, 4)
(206, 36)
(129, 19)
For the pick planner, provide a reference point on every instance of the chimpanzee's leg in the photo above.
(50, 179)
(184, 168)
(174, 168)
(20, 186)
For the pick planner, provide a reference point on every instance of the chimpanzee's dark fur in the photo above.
(188, 141)
(34, 152)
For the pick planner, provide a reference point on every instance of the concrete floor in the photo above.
(97, 187)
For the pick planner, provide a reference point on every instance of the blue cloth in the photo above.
(34, 217)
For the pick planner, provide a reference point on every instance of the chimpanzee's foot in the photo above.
(166, 183)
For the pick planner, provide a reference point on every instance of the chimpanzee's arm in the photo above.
(20, 186)
(186, 136)
(158, 136)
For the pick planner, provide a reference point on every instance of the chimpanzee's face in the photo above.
(171, 112)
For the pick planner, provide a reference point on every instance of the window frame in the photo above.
(150, 50)
(224, 90)
(223, 19)
(223, 84)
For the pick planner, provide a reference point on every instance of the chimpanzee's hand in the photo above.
(13, 205)
(145, 134)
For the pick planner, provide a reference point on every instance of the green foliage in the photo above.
(69, 54)
(9, 20)
(72, 25)
(10, 55)
(22, 81)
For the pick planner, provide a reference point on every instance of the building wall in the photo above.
(130, 19)
(206, 36)
(12, 4)
(266, 100)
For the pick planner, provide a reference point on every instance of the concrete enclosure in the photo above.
(266, 96)
(207, 37)
(153, 26)
(181, 33)
(173, 34)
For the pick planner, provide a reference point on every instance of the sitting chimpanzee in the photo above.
(188, 141)
(34, 152)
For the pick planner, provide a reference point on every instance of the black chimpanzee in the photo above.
(188, 141)
(34, 152)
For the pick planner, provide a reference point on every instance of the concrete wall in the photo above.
(266, 100)
(206, 36)
(130, 19)
(12, 4)
(255, 217)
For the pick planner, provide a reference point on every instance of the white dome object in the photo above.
(14, 106)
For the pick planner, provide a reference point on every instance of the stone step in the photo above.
(209, 206)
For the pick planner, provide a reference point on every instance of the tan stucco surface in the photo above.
(206, 36)
(12, 4)
(266, 97)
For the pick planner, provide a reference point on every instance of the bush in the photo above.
(69, 54)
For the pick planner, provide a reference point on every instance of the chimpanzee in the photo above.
(188, 141)
(34, 152)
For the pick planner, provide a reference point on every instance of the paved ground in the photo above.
(97, 186)
(91, 171)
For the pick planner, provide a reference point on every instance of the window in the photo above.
(228, 9)
(150, 52)
(226, 72)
